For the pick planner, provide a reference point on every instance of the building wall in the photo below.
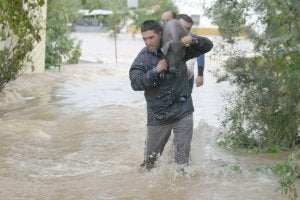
(195, 8)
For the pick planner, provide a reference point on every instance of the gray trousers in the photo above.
(158, 136)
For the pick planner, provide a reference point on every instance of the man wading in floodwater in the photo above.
(169, 102)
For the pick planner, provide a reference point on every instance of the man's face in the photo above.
(151, 39)
(166, 16)
(186, 25)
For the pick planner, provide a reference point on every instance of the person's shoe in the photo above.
(182, 172)
(148, 165)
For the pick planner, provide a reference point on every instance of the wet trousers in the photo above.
(158, 136)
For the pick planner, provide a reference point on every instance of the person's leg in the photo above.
(157, 137)
(183, 132)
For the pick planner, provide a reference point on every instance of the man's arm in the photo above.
(198, 45)
(200, 64)
(141, 78)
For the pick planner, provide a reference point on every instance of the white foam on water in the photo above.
(10, 96)
(104, 91)
(40, 134)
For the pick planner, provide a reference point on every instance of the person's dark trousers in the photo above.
(158, 136)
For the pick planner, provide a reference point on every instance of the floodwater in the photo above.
(79, 134)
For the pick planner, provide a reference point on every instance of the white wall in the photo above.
(196, 7)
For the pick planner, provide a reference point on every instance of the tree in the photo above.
(60, 47)
(265, 108)
(91, 4)
(20, 30)
(151, 10)
(120, 13)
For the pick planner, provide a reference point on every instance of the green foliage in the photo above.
(20, 29)
(232, 11)
(146, 10)
(288, 173)
(120, 13)
(74, 54)
(91, 4)
(151, 10)
(264, 110)
(60, 47)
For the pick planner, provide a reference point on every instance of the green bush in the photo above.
(288, 172)
(264, 110)
(60, 47)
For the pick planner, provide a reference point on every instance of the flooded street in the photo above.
(79, 134)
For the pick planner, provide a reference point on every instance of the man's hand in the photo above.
(199, 81)
(162, 65)
(187, 40)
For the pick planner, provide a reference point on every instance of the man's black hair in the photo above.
(185, 18)
(151, 25)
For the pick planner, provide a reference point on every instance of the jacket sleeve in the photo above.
(200, 64)
(200, 45)
(141, 78)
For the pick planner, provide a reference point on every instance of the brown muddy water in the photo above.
(79, 134)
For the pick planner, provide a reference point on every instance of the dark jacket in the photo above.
(168, 95)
